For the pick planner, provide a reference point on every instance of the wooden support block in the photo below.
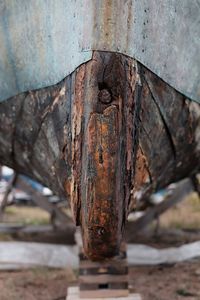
(105, 279)
(74, 294)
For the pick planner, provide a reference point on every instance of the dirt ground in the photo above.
(164, 282)
(37, 284)
(175, 282)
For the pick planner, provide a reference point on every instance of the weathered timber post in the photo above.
(104, 138)
(104, 146)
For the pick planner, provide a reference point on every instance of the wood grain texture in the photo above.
(104, 138)
(108, 149)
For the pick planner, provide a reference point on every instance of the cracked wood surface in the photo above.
(103, 138)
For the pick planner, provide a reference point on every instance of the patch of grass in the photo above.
(5, 237)
(184, 215)
(10, 210)
(26, 215)
(184, 293)
(46, 273)
(194, 201)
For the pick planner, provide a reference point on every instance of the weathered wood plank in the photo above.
(73, 294)
(58, 217)
(110, 90)
(183, 189)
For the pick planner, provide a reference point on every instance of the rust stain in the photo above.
(102, 151)
(141, 169)
(102, 202)
(142, 176)
(108, 20)
(67, 187)
(77, 117)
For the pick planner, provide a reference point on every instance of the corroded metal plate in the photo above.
(41, 42)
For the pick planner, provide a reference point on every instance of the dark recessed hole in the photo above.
(105, 94)
(103, 286)
(102, 86)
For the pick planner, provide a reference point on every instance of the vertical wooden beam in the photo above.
(104, 147)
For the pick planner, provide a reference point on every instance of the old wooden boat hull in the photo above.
(105, 137)
(100, 102)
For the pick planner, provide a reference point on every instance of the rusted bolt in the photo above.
(105, 96)
(101, 231)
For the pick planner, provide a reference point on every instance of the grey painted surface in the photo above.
(42, 41)
(39, 43)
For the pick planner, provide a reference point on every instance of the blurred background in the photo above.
(37, 227)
